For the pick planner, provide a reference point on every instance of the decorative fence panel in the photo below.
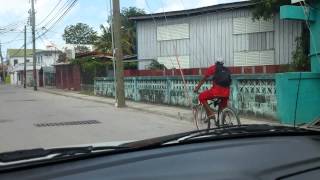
(250, 94)
(255, 95)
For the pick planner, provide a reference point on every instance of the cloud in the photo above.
(141, 4)
(204, 3)
(170, 5)
(14, 8)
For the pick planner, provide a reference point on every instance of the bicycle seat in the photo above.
(215, 101)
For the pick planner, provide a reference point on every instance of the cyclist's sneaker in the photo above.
(212, 117)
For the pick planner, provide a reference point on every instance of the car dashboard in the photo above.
(284, 158)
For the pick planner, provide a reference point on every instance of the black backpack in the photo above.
(222, 77)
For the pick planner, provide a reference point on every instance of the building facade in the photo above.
(15, 57)
(197, 37)
(47, 58)
(44, 58)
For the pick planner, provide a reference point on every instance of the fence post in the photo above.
(135, 87)
(234, 93)
(168, 90)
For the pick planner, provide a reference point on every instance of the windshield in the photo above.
(103, 73)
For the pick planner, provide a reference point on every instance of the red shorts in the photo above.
(216, 92)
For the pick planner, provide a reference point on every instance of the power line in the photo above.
(13, 27)
(65, 5)
(69, 7)
(177, 59)
(11, 41)
(54, 8)
(65, 12)
(52, 25)
(14, 24)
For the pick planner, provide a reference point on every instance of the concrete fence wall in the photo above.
(250, 94)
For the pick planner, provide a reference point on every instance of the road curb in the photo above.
(178, 116)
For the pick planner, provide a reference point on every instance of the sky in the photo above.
(92, 12)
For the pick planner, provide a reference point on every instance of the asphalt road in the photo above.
(31, 119)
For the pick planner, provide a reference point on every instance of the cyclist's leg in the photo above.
(203, 98)
(224, 102)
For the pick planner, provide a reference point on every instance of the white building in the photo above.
(200, 36)
(44, 58)
(15, 57)
(47, 57)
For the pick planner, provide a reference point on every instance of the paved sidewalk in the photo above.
(170, 111)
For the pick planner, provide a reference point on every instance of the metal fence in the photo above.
(49, 77)
(250, 94)
(88, 88)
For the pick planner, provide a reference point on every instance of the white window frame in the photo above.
(173, 32)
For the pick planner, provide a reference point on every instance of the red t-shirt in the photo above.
(216, 89)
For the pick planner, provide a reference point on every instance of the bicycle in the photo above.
(225, 118)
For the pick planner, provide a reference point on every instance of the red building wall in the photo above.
(68, 77)
(266, 69)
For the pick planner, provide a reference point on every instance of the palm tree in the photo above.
(104, 41)
(128, 33)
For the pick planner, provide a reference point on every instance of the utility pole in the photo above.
(118, 55)
(33, 24)
(113, 60)
(2, 64)
(25, 58)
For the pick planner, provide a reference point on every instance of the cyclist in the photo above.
(220, 88)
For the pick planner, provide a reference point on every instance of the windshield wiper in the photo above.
(221, 133)
(55, 152)
(248, 131)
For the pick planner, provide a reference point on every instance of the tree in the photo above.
(62, 58)
(128, 30)
(79, 34)
(154, 65)
(104, 42)
(301, 60)
(128, 33)
(80, 48)
(267, 9)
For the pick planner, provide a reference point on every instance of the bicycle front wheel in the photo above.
(201, 118)
(229, 118)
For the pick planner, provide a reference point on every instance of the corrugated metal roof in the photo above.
(18, 52)
(214, 8)
(48, 51)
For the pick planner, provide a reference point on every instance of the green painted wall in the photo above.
(250, 94)
(308, 100)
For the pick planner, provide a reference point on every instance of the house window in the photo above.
(28, 60)
(173, 32)
(253, 42)
(15, 62)
(254, 58)
(245, 25)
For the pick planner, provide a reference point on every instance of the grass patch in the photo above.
(90, 93)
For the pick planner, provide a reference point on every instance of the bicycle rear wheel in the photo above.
(229, 118)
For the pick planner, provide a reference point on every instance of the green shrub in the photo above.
(7, 80)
